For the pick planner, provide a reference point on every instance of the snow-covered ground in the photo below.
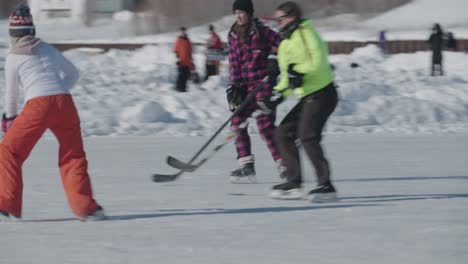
(131, 93)
(403, 200)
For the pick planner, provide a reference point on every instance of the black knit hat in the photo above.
(243, 5)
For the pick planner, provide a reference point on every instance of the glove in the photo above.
(295, 79)
(234, 96)
(272, 69)
(268, 104)
(7, 122)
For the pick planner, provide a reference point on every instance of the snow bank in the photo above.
(131, 93)
(396, 93)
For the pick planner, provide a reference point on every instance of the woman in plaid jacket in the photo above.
(250, 44)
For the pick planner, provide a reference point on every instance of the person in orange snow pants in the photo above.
(45, 77)
(58, 113)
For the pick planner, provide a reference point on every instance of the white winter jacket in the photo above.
(39, 69)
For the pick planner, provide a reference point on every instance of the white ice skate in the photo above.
(97, 215)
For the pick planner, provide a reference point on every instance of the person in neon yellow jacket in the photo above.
(306, 72)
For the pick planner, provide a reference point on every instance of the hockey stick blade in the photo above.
(166, 177)
(178, 164)
(171, 177)
(187, 167)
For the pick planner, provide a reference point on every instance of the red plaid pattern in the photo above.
(266, 127)
(248, 61)
(248, 68)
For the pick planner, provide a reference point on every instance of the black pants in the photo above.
(437, 64)
(210, 69)
(305, 123)
(182, 78)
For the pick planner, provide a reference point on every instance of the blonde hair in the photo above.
(13, 41)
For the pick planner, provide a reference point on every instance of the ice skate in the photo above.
(97, 215)
(287, 191)
(245, 174)
(324, 193)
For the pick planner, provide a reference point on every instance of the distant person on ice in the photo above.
(383, 42)
(436, 41)
(305, 71)
(183, 51)
(250, 43)
(214, 50)
(45, 77)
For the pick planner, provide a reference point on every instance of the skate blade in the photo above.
(294, 194)
(323, 198)
(243, 180)
(96, 216)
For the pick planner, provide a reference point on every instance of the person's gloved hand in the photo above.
(268, 104)
(7, 122)
(234, 96)
(273, 70)
(295, 79)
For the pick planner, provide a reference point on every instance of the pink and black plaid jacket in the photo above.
(248, 67)
(248, 61)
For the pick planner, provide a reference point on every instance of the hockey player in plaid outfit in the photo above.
(250, 44)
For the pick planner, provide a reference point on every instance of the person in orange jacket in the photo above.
(183, 51)
(45, 76)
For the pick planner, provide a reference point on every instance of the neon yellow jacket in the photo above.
(306, 49)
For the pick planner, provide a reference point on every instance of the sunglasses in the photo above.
(281, 18)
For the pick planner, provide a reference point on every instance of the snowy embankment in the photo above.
(130, 93)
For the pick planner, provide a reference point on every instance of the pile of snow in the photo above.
(131, 93)
(396, 93)
(147, 112)
(124, 15)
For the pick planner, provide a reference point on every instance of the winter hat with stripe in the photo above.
(21, 22)
(243, 5)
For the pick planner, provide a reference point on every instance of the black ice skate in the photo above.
(287, 191)
(245, 174)
(324, 193)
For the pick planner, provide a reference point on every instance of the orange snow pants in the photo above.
(59, 114)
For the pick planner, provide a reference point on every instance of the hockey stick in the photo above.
(171, 177)
(187, 167)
